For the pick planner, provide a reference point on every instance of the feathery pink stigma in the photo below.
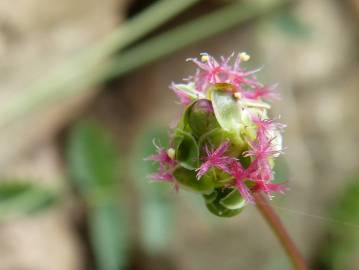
(165, 176)
(270, 187)
(262, 148)
(185, 99)
(240, 175)
(166, 167)
(260, 170)
(215, 158)
(162, 175)
(162, 157)
(210, 68)
(265, 125)
(211, 71)
(242, 78)
(265, 92)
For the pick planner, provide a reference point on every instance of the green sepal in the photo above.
(201, 118)
(187, 150)
(224, 202)
(233, 200)
(210, 198)
(226, 108)
(183, 122)
(217, 136)
(187, 178)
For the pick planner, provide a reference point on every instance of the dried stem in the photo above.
(274, 222)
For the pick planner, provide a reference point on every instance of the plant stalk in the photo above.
(277, 226)
(85, 69)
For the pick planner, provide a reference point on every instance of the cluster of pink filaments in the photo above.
(166, 166)
(258, 176)
(259, 172)
(211, 71)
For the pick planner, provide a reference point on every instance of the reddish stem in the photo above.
(274, 222)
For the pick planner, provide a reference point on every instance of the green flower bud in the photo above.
(224, 202)
(201, 117)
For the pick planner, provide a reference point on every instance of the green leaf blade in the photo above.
(109, 236)
(93, 158)
(24, 198)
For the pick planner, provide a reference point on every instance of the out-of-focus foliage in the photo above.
(291, 24)
(108, 232)
(343, 242)
(93, 159)
(156, 208)
(93, 163)
(19, 198)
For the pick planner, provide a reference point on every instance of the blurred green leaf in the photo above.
(108, 231)
(156, 202)
(92, 158)
(157, 221)
(343, 242)
(22, 198)
(93, 162)
(141, 168)
(291, 24)
(217, 202)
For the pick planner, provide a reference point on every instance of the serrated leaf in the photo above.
(108, 231)
(226, 109)
(92, 158)
(21, 198)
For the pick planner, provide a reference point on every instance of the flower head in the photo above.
(225, 105)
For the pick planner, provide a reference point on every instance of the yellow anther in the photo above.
(204, 57)
(237, 95)
(244, 56)
(171, 153)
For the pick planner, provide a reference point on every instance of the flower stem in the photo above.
(275, 223)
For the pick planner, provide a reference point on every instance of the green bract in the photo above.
(226, 108)
(224, 202)
(222, 117)
(211, 122)
(188, 179)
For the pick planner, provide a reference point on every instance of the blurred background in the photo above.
(84, 90)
